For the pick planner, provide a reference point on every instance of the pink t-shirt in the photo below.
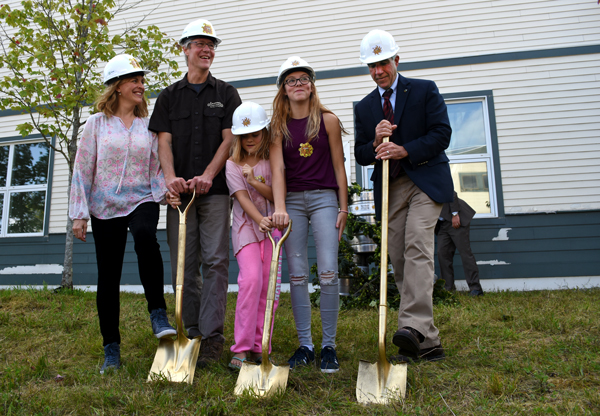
(244, 230)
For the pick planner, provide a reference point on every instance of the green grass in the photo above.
(534, 353)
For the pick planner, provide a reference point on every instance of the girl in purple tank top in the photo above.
(309, 187)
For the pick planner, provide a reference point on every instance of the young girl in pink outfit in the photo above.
(249, 181)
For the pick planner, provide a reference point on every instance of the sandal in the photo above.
(237, 367)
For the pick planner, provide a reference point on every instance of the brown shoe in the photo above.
(210, 351)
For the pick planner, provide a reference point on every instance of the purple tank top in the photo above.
(308, 166)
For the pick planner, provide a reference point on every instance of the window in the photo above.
(471, 161)
(23, 188)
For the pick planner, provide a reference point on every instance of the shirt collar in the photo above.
(210, 80)
(394, 85)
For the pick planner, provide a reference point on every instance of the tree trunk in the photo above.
(67, 275)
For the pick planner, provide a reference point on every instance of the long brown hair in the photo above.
(238, 153)
(108, 101)
(282, 113)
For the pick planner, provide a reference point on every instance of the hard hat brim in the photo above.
(309, 71)
(247, 130)
(128, 75)
(192, 37)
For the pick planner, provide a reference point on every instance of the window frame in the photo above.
(18, 140)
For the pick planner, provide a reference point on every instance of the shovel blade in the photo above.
(381, 382)
(261, 380)
(175, 359)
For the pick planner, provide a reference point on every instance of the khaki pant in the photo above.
(207, 247)
(412, 219)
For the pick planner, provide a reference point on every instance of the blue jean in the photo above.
(320, 208)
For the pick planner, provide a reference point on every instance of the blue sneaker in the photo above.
(302, 356)
(160, 323)
(112, 357)
(329, 361)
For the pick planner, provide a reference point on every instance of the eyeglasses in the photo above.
(201, 45)
(292, 82)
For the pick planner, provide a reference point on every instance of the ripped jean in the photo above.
(320, 207)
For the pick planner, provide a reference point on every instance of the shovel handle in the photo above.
(266, 336)
(385, 192)
(181, 263)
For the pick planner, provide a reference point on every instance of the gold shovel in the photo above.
(176, 358)
(382, 382)
(266, 378)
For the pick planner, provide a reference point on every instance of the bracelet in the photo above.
(341, 210)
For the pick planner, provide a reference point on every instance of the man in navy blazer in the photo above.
(420, 182)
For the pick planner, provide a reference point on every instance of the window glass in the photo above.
(3, 164)
(471, 185)
(468, 129)
(26, 212)
(30, 164)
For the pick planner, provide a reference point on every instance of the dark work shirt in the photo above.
(196, 121)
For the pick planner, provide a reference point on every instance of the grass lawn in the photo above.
(507, 353)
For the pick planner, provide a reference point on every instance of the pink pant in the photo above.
(254, 261)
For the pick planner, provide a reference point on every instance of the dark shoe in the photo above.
(302, 356)
(475, 293)
(408, 339)
(432, 354)
(160, 323)
(329, 361)
(210, 351)
(112, 357)
(426, 354)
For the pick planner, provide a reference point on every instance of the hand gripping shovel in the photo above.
(266, 378)
(381, 382)
(176, 358)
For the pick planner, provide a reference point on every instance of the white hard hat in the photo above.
(294, 63)
(248, 118)
(120, 66)
(200, 27)
(377, 46)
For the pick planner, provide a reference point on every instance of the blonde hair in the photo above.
(282, 113)
(238, 153)
(108, 101)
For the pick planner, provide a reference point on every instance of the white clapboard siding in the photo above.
(546, 109)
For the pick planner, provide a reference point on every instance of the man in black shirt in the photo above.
(193, 120)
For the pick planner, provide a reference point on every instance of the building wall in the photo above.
(538, 57)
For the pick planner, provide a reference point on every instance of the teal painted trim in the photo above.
(19, 138)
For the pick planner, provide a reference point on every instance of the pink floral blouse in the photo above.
(116, 169)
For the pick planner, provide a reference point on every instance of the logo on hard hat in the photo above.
(246, 122)
(295, 63)
(134, 63)
(377, 50)
(207, 29)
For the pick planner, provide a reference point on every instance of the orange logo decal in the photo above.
(207, 29)
(295, 63)
(246, 122)
(377, 50)
(134, 63)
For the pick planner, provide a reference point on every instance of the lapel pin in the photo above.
(405, 90)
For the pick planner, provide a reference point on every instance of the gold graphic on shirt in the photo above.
(246, 122)
(260, 179)
(295, 63)
(207, 29)
(377, 50)
(305, 149)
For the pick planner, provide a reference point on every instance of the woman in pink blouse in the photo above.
(117, 183)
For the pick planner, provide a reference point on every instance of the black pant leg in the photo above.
(143, 222)
(110, 238)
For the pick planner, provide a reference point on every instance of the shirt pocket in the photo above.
(213, 120)
(181, 123)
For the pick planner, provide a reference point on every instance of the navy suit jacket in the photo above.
(423, 129)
